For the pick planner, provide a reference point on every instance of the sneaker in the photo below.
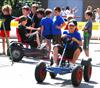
(54, 65)
(71, 65)
(42, 45)
(89, 59)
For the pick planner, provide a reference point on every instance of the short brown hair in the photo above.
(26, 7)
(40, 11)
(22, 18)
(48, 11)
(35, 5)
(57, 9)
(89, 13)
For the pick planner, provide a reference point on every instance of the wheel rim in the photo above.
(16, 54)
(79, 75)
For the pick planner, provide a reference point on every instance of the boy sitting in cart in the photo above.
(26, 37)
(73, 48)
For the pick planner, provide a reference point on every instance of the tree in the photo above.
(2, 2)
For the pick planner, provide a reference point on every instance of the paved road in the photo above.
(21, 75)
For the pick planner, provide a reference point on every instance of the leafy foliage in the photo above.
(17, 4)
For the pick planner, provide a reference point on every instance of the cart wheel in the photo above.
(40, 72)
(87, 72)
(76, 76)
(17, 53)
(53, 75)
(14, 45)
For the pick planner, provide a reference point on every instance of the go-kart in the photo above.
(18, 51)
(84, 69)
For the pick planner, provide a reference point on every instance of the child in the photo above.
(58, 23)
(37, 19)
(46, 28)
(25, 36)
(71, 20)
(68, 21)
(36, 22)
(6, 17)
(87, 32)
(73, 49)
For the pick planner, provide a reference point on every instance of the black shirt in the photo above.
(36, 20)
(29, 23)
(7, 20)
(22, 32)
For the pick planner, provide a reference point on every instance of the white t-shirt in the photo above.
(97, 17)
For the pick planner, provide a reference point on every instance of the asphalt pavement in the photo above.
(21, 74)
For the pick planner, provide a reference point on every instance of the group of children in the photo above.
(48, 29)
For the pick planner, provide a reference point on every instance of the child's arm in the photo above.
(85, 30)
(41, 28)
(64, 36)
(61, 26)
(31, 28)
(76, 40)
(34, 33)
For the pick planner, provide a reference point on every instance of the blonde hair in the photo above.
(7, 8)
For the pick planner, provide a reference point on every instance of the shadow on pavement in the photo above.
(82, 85)
(85, 85)
(68, 82)
(44, 83)
(31, 60)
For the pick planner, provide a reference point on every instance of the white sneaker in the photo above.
(54, 65)
(71, 65)
(42, 45)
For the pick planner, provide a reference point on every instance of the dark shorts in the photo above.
(48, 37)
(57, 39)
(69, 52)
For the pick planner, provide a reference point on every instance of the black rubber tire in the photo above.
(17, 53)
(40, 72)
(53, 75)
(13, 45)
(87, 72)
(76, 76)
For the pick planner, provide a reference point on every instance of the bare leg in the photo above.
(7, 44)
(55, 54)
(86, 52)
(75, 56)
(38, 39)
(48, 45)
(3, 44)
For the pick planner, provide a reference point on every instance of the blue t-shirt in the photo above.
(57, 21)
(76, 35)
(47, 24)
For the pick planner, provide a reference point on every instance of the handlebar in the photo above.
(68, 39)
